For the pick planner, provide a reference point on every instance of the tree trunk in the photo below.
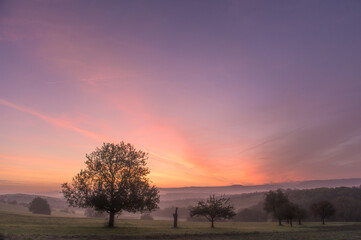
(111, 219)
(175, 217)
(212, 223)
(279, 222)
(299, 222)
(291, 222)
(323, 221)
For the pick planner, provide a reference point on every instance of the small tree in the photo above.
(115, 179)
(323, 209)
(288, 211)
(274, 203)
(39, 206)
(213, 209)
(300, 214)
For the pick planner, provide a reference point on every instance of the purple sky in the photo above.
(218, 92)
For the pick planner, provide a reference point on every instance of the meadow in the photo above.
(15, 223)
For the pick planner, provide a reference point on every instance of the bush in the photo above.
(39, 206)
(146, 216)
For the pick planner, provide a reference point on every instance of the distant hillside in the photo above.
(174, 194)
(347, 201)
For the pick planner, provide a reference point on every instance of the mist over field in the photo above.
(185, 196)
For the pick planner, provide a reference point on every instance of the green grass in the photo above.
(20, 225)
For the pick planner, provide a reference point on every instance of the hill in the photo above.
(347, 201)
(169, 195)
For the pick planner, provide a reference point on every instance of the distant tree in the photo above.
(213, 209)
(348, 209)
(300, 214)
(146, 216)
(288, 212)
(323, 209)
(39, 206)
(115, 179)
(274, 203)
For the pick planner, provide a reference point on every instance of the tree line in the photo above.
(278, 204)
(346, 201)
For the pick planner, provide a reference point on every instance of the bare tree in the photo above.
(323, 209)
(213, 209)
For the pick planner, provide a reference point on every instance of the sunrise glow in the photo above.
(226, 95)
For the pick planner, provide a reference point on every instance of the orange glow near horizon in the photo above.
(170, 159)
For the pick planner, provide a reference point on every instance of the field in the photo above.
(18, 224)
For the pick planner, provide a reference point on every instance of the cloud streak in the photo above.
(55, 121)
(92, 135)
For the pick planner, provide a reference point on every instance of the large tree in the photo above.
(114, 180)
(275, 202)
(213, 209)
(323, 209)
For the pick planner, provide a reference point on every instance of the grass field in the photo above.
(21, 225)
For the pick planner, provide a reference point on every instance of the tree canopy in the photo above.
(39, 206)
(213, 209)
(277, 203)
(114, 180)
(288, 212)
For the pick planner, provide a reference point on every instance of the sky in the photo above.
(217, 92)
